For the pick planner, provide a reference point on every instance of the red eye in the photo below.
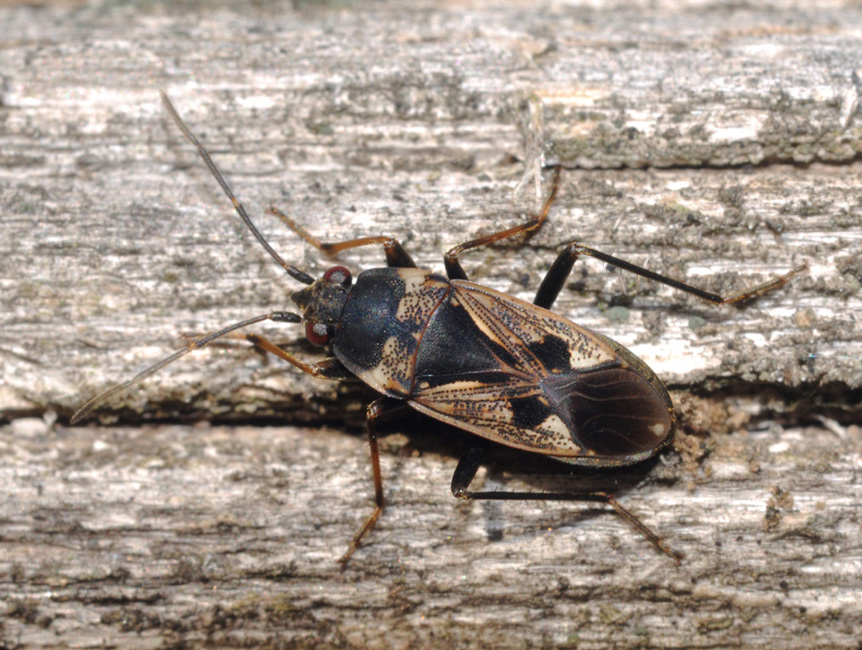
(317, 334)
(338, 275)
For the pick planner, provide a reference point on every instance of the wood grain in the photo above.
(716, 144)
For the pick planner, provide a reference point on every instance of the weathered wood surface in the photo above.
(685, 129)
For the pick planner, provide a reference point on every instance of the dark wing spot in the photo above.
(530, 411)
(553, 353)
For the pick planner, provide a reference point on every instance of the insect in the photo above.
(508, 371)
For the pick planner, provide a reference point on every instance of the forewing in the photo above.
(528, 378)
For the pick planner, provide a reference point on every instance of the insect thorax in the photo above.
(382, 322)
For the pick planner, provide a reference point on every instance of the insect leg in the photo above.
(469, 464)
(329, 368)
(377, 408)
(453, 267)
(559, 271)
(396, 256)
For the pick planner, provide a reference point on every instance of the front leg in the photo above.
(453, 267)
(396, 256)
(328, 368)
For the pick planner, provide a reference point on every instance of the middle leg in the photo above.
(453, 267)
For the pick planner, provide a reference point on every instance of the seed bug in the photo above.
(508, 371)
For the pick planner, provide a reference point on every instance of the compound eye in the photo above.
(338, 275)
(317, 333)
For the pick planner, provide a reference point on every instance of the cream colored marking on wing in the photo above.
(484, 408)
(501, 430)
(461, 388)
(509, 321)
(555, 424)
(658, 430)
(478, 316)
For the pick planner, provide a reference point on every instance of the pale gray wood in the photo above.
(415, 122)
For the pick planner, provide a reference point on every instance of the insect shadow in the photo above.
(534, 473)
(507, 371)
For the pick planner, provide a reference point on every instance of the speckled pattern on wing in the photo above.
(507, 320)
(526, 377)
